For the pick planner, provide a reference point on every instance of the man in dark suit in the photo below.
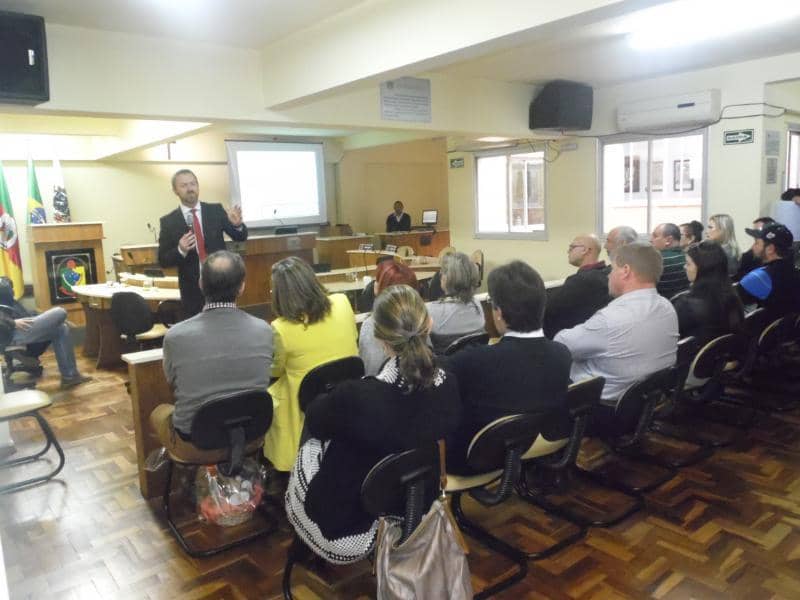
(398, 220)
(191, 232)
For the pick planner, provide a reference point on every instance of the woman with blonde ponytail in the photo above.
(411, 402)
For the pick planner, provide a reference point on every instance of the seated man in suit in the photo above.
(632, 337)
(219, 352)
(583, 293)
(524, 372)
(191, 232)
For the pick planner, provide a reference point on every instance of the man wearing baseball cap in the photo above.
(773, 286)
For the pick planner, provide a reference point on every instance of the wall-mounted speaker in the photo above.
(562, 105)
(23, 59)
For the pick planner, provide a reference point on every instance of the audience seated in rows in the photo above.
(773, 286)
(721, 230)
(748, 261)
(635, 335)
(311, 328)
(457, 313)
(367, 296)
(691, 233)
(370, 349)
(410, 403)
(666, 238)
(710, 308)
(524, 372)
(217, 353)
(583, 293)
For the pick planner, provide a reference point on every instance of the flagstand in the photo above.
(65, 238)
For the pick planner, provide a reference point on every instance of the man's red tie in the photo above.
(198, 234)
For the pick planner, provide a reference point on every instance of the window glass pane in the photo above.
(625, 181)
(794, 160)
(492, 199)
(527, 193)
(680, 197)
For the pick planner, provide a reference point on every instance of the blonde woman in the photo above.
(410, 403)
(311, 328)
(721, 230)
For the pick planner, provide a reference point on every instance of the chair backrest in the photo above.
(712, 358)
(232, 422)
(405, 251)
(169, 312)
(473, 339)
(395, 481)
(153, 272)
(635, 408)
(488, 449)
(583, 396)
(771, 336)
(755, 322)
(130, 313)
(446, 250)
(477, 258)
(324, 378)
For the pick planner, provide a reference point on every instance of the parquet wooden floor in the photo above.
(727, 528)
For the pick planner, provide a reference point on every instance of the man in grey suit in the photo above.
(221, 351)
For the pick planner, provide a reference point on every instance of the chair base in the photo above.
(272, 525)
(490, 541)
(538, 497)
(50, 440)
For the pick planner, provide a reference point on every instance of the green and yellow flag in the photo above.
(10, 263)
(35, 207)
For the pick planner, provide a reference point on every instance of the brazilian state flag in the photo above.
(35, 207)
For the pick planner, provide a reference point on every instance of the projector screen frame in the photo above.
(233, 147)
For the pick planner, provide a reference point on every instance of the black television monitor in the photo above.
(430, 217)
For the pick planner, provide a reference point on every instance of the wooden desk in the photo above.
(430, 264)
(259, 252)
(333, 250)
(427, 242)
(149, 388)
(102, 338)
(347, 285)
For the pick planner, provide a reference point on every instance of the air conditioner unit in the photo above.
(670, 113)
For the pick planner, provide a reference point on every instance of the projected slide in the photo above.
(278, 184)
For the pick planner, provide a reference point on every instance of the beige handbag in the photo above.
(432, 563)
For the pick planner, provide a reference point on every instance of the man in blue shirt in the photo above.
(774, 285)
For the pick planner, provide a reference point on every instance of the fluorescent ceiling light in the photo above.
(687, 22)
(494, 138)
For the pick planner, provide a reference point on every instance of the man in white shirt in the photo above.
(634, 336)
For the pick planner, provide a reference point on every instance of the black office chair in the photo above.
(324, 378)
(473, 339)
(226, 429)
(400, 484)
(170, 312)
(9, 351)
(495, 454)
(131, 315)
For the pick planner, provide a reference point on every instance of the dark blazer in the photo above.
(392, 224)
(173, 226)
(582, 295)
(514, 376)
(365, 420)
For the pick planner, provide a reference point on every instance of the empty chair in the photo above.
(223, 431)
(170, 312)
(132, 317)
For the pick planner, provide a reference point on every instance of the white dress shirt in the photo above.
(634, 336)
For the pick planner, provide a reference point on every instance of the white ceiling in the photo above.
(599, 54)
(244, 23)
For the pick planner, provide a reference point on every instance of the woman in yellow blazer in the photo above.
(311, 328)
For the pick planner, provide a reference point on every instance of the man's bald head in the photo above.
(584, 250)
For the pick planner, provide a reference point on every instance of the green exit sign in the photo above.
(739, 136)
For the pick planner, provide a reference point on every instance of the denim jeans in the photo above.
(51, 326)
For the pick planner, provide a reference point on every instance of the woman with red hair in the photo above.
(387, 274)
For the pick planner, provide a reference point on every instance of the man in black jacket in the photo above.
(398, 220)
(583, 293)
(523, 373)
(191, 232)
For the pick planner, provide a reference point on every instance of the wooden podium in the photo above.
(51, 244)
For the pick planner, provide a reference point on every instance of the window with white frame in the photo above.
(793, 160)
(510, 194)
(652, 181)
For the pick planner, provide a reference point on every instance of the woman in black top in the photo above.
(411, 402)
(710, 307)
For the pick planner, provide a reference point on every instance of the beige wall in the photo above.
(372, 179)
(571, 209)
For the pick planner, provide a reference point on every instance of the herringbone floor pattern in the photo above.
(727, 528)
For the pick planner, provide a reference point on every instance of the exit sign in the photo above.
(738, 136)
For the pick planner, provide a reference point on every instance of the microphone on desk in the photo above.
(153, 231)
